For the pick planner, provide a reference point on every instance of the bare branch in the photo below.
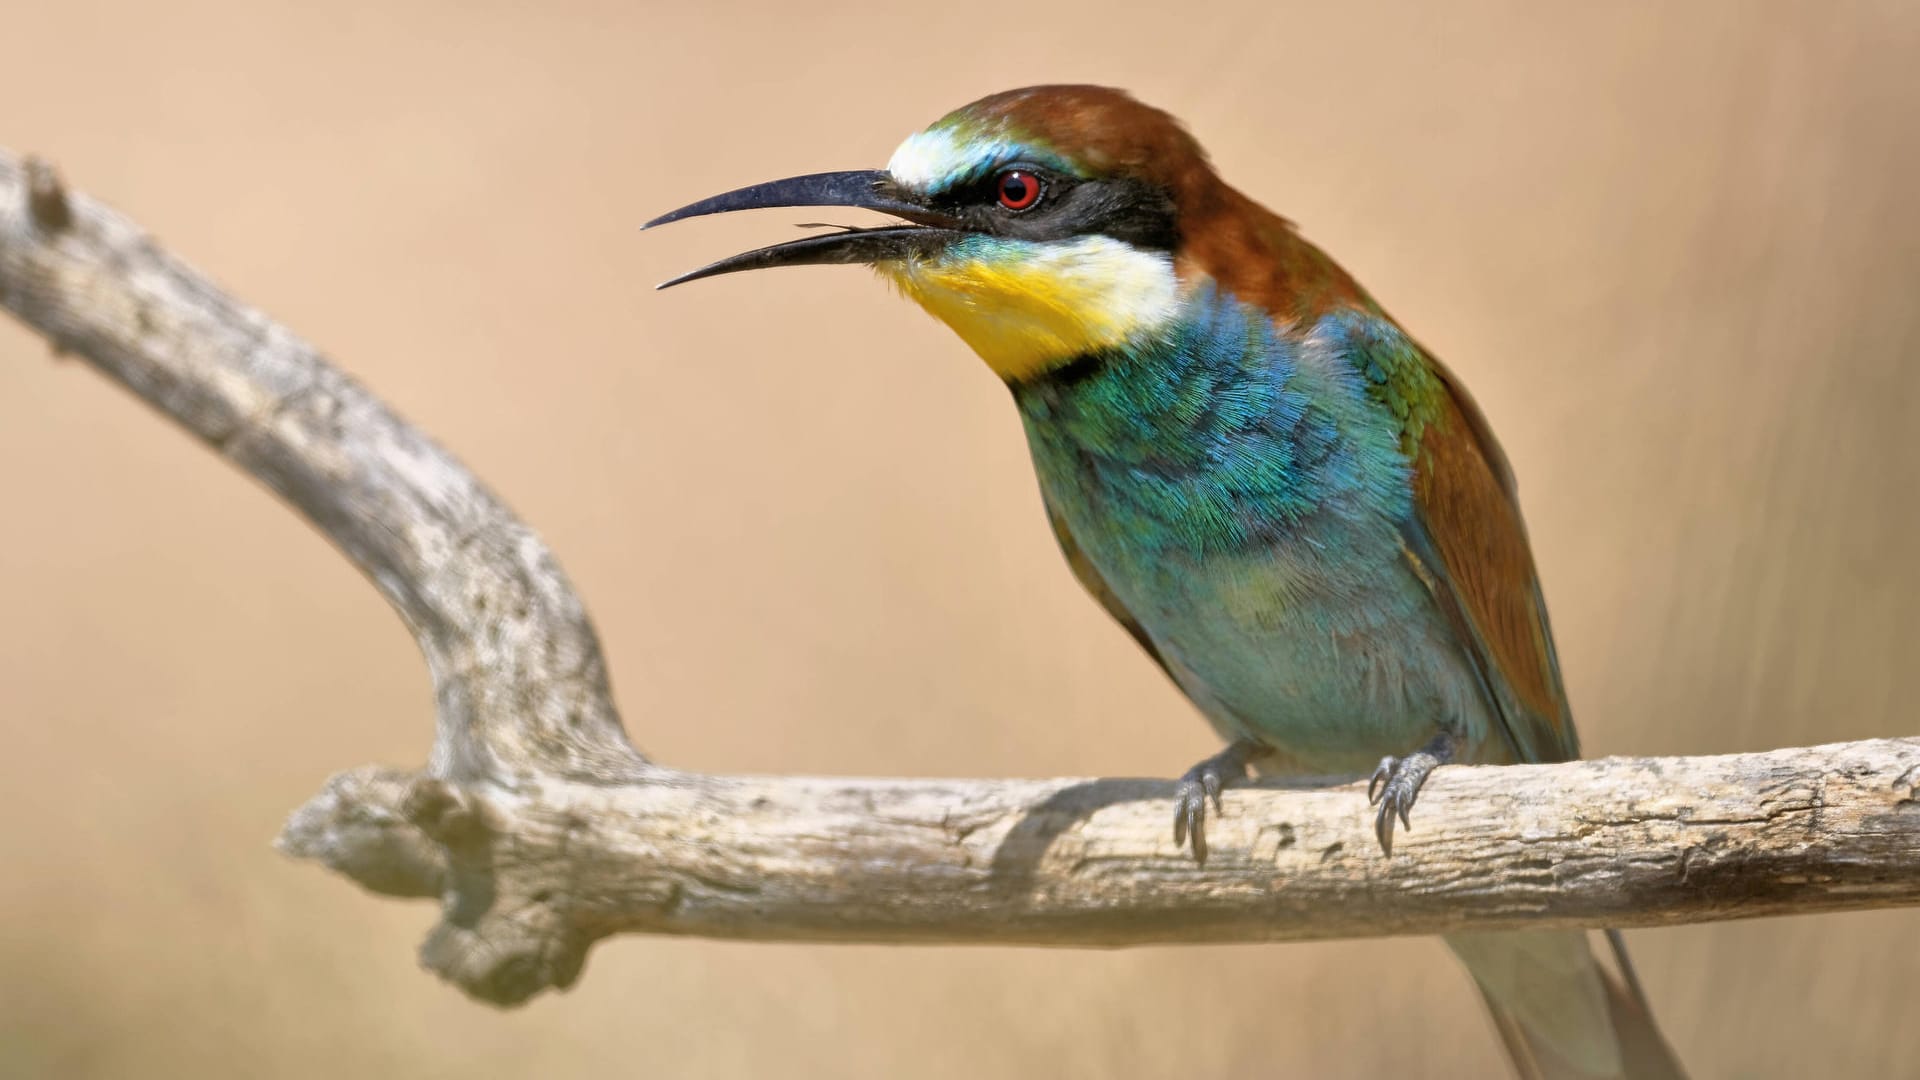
(517, 668)
(1615, 842)
(541, 829)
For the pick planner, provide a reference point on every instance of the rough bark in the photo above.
(541, 830)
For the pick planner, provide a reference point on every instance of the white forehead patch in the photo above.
(931, 160)
(924, 159)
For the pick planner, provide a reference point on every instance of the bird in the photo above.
(1294, 508)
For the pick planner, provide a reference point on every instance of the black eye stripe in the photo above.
(1123, 208)
(985, 190)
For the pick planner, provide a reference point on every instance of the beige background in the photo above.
(1672, 247)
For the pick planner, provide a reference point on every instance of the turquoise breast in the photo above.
(1244, 498)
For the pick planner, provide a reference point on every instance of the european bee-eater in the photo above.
(1294, 509)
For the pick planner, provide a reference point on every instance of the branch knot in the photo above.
(448, 814)
(47, 204)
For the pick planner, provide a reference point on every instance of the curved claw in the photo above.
(1202, 783)
(1377, 783)
(1391, 808)
(1190, 811)
(1383, 829)
(1394, 787)
(1190, 815)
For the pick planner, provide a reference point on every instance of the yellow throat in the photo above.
(1029, 307)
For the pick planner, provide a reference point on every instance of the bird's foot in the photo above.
(1397, 782)
(1203, 782)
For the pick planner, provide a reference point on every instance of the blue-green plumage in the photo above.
(1244, 494)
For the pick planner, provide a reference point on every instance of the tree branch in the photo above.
(542, 830)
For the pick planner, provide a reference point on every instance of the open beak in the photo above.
(865, 189)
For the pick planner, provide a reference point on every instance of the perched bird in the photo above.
(1294, 509)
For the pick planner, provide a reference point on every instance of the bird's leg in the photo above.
(1397, 781)
(1203, 782)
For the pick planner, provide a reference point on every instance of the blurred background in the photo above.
(1672, 248)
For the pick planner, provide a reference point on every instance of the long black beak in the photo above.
(865, 189)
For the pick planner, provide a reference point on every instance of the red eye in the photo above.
(1018, 190)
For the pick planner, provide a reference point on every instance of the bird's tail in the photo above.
(1562, 1014)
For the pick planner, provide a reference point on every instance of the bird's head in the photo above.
(1044, 224)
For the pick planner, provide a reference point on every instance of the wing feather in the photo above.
(1469, 543)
